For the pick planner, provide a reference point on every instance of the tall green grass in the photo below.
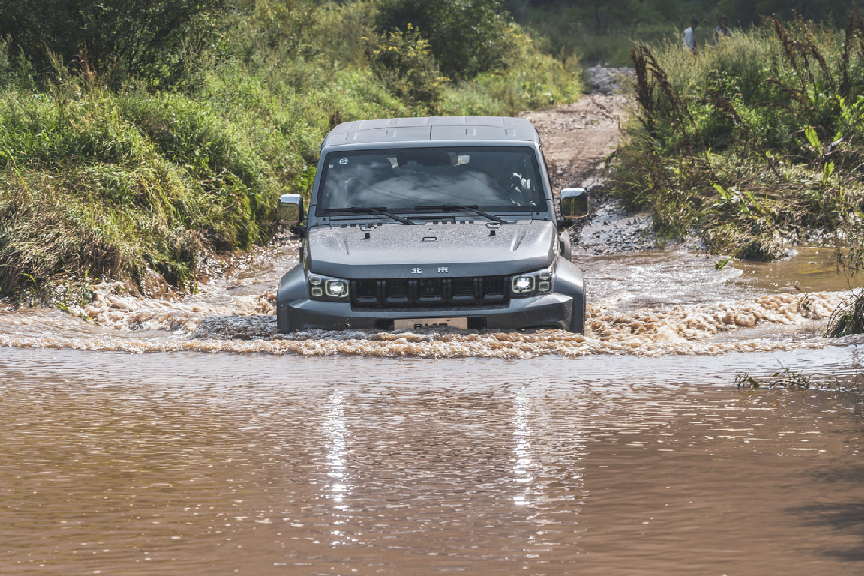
(755, 144)
(107, 179)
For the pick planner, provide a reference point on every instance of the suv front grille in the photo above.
(429, 292)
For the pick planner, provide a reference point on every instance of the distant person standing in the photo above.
(721, 31)
(690, 37)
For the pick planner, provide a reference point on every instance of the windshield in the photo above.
(403, 180)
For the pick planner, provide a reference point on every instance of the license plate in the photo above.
(411, 323)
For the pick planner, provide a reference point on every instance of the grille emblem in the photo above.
(443, 270)
(417, 271)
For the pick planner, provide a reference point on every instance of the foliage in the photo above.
(605, 15)
(604, 32)
(531, 79)
(113, 167)
(404, 62)
(467, 37)
(153, 38)
(754, 143)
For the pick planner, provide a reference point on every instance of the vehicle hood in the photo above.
(449, 249)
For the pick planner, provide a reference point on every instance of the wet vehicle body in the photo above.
(440, 221)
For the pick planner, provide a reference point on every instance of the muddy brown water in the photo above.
(227, 448)
(187, 463)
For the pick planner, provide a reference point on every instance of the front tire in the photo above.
(283, 321)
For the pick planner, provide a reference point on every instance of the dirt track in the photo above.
(578, 137)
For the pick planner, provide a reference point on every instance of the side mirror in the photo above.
(574, 203)
(290, 209)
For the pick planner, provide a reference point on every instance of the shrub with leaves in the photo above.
(467, 37)
(404, 61)
(755, 143)
(150, 38)
(530, 79)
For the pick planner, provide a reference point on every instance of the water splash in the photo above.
(235, 313)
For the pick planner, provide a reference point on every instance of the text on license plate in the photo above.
(402, 323)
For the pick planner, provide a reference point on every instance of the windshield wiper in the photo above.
(362, 210)
(462, 208)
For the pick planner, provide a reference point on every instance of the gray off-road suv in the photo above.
(428, 222)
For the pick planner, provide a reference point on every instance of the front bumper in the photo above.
(548, 311)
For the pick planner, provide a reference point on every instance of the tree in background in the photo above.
(602, 15)
(143, 38)
(603, 31)
(753, 11)
(467, 37)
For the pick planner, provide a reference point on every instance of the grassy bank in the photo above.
(109, 173)
(754, 145)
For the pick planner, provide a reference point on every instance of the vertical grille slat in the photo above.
(396, 291)
(494, 288)
(429, 292)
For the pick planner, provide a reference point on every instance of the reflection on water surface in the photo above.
(567, 461)
(203, 464)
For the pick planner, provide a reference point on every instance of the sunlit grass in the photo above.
(111, 182)
(754, 145)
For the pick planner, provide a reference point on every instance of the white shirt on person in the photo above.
(690, 39)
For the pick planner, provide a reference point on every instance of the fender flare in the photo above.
(569, 281)
(292, 287)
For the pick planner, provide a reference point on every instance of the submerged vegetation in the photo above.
(782, 378)
(848, 318)
(134, 135)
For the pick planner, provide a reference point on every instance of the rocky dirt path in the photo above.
(577, 140)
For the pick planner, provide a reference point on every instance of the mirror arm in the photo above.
(565, 224)
(299, 230)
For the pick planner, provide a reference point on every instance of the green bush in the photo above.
(105, 174)
(467, 37)
(404, 63)
(754, 143)
(150, 38)
(530, 79)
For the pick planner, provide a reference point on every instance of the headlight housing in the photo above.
(531, 284)
(328, 288)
